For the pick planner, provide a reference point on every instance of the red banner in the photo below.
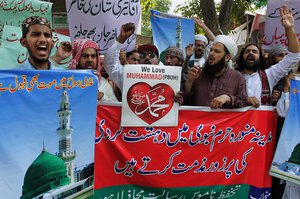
(206, 149)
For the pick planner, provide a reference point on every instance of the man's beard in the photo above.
(198, 54)
(213, 69)
(251, 66)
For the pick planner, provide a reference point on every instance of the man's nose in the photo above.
(90, 58)
(42, 37)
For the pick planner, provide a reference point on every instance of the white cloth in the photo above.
(105, 87)
(201, 38)
(283, 104)
(112, 65)
(228, 43)
(274, 74)
(291, 191)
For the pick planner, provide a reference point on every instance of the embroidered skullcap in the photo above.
(175, 51)
(33, 20)
(228, 43)
(148, 47)
(201, 38)
(78, 47)
(277, 50)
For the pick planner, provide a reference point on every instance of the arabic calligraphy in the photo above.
(153, 104)
(278, 38)
(105, 36)
(204, 166)
(121, 8)
(139, 193)
(276, 13)
(186, 136)
(23, 5)
(25, 83)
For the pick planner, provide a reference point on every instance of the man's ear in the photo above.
(227, 57)
(23, 42)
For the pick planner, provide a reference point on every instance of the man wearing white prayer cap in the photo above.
(201, 38)
(199, 46)
(216, 84)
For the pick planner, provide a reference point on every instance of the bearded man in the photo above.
(216, 85)
(250, 62)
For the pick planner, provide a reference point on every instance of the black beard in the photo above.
(213, 69)
(198, 54)
(253, 66)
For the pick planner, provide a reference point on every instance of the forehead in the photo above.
(199, 42)
(219, 46)
(171, 54)
(147, 51)
(39, 28)
(251, 47)
(89, 51)
(134, 54)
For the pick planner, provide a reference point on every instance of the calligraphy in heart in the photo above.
(150, 103)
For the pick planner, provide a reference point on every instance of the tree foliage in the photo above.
(220, 17)
(160, 5)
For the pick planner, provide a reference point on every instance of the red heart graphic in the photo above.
(150, 103)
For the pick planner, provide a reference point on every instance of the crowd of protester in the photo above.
(214, 78)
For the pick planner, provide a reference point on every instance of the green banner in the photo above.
(13, 12)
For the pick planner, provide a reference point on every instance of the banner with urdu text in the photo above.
(47, 128)
(274, 31)
(13, 12)
(101, 21)
(210, 154)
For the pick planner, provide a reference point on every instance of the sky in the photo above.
(174, 4)
(25, 129)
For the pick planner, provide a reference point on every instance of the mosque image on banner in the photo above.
(286, 162)
(54, 176)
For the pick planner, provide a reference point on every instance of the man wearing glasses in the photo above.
(148, 54)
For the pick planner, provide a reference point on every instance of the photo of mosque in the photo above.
(54, 175)
(289, 169)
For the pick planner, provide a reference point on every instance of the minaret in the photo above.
(64, 132)
(178, 34)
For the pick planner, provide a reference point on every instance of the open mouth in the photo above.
(89, 67)
(250, 59)
(42, 50)
(211, 59)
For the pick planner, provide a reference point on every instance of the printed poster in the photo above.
(171, 30)
(101, 21)
(274, 31)
(209, 154)
(286, 162)
(14, 12)
(148, 95)
(46, 133)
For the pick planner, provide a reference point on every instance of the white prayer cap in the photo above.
(228, 43)
(201, 38)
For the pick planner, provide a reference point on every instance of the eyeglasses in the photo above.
(35, 20)
(149, 54)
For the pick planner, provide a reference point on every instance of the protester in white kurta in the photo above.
(274, 74)
(249, 62)
(106, 88)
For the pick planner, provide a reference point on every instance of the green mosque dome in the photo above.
(295, 157)
(47, 172)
